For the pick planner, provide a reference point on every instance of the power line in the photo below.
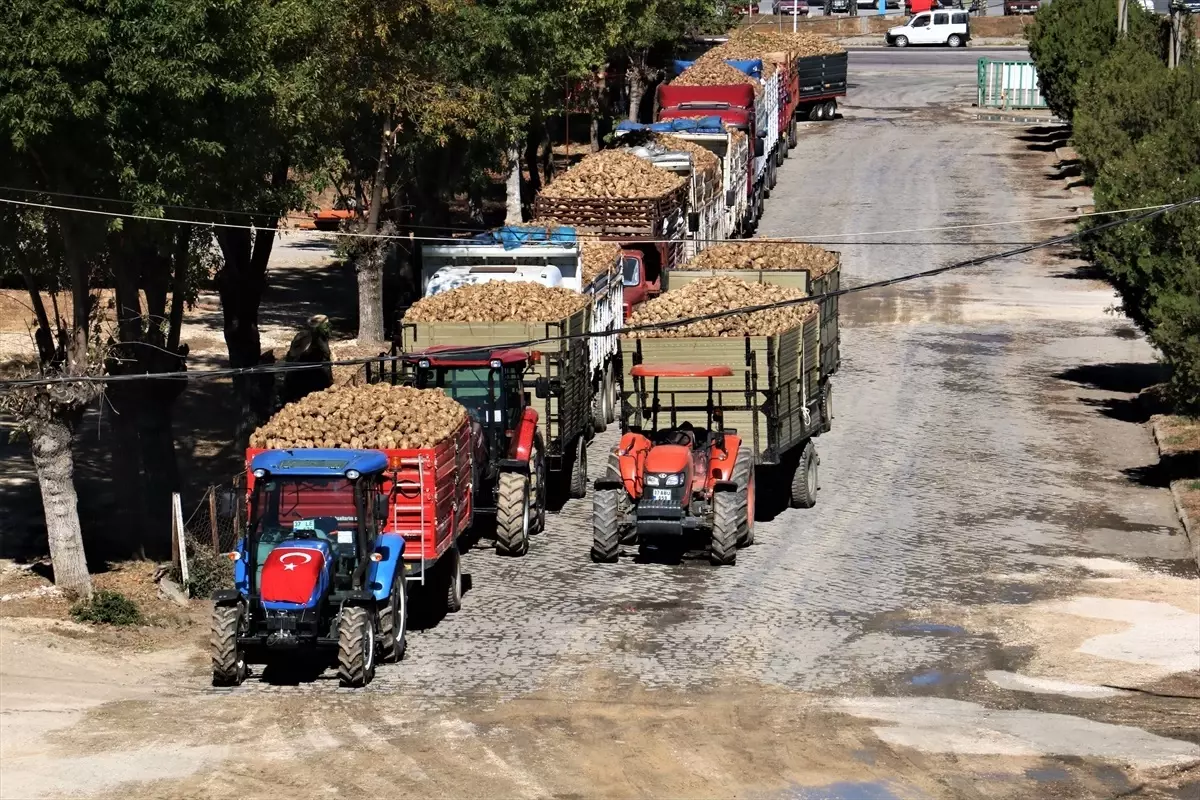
(803, 238)
(296, 367)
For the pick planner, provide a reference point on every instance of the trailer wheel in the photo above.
(578, 487)
(606, 534)
(793, 134)
(815, 112)
(393, 621)
(599, 413)
(356, 647)
(743, 475)
(831, 111)
(782, 152)
(454, 581)
(513, 514)
(537, 487)
(722, 548)
(826, 407)
(228, 660)
(804, 480)
(773, 175)
(612, 392)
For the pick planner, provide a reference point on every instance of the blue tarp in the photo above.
(680, 66)
(703, 125)
(513, 236)
(751, 66)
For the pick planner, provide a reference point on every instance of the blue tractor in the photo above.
(314, 570)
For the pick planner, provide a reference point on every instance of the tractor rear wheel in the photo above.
(804, 480)
(743, 475)
(513, 514)
(393, 622)
(228, 660)
(606, 534)
(578, 488)
(356, 647)
(722, 549)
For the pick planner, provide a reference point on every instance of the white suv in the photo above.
(949, 27)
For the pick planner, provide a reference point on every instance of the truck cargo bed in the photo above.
(822, 76)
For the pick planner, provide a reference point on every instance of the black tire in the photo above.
(722, 548)
(513, 514)
(356, 647)
(743, 470)
(610, 391)
(772, 175)
(804, 479)
(578, 486)
(453, 590)
(228, 660)
(954, 41)
(537, 486)
(606, 534)
(901, 41)
(830, 110)
(393, 622)
(827, 407)
(781, 151)
(815, 112)
(599, 422)
(793, 135)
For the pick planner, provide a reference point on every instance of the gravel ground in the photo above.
(988, 549)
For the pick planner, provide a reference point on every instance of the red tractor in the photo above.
(676, 486)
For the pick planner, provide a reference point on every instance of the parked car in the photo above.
(839, 7)
(789, 8)
(945, 27)
(1012, 7)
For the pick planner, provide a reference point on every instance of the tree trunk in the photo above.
(533, 141)
(599, 106)
(369, 266)
(635, 80)
(512, 208)
(55, 467)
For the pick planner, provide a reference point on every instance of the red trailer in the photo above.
(430, 504)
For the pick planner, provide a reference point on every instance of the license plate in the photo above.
(662, 494)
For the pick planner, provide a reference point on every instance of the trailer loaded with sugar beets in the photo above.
(708, 409)
(616, 196)
(351, 494)
(532, 406)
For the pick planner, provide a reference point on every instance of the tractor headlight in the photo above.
(260, 473)
(675, 479)
(353, 474)
(652, 480)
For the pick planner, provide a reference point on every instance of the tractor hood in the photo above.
(295, 575)
(668, 458)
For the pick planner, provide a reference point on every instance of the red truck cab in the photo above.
(637, 285)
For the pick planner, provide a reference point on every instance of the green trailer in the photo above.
(777, 400)
(824, 283)
(558, 379)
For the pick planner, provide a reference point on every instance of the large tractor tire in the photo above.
(606, 534)
(804, 480)
(537, 486)
(393, 622)
(228, 660)
(578, 485)
(356, 647)
(722, 549)
(513, 514)
(743, 475)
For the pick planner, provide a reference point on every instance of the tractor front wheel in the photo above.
(722, 550)
(228, 660)
(393, 621)
(513, 514)
(606, 533)
(356, 647)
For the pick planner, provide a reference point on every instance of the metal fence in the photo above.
(1008, 85)
(206, 527)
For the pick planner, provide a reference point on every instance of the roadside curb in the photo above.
(1189, 528)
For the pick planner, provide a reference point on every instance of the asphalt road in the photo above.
(989, 547)
(958, 59)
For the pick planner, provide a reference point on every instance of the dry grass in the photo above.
(1178, 435)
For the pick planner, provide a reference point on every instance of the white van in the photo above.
(947, 26)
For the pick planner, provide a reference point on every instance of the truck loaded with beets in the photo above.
(352, 493)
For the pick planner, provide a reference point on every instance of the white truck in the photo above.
(551, 260)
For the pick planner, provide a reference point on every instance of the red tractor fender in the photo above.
(721, 462)
(631, 458)
(521, 445)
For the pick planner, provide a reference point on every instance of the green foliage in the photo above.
(208, 570)
(1070, 37)
(107, 608)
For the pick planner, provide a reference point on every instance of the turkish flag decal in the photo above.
(290, 574)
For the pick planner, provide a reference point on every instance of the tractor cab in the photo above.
(490, 385)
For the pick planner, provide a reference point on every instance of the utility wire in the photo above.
(296, 367)
(803, 238)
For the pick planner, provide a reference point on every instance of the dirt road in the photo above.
(989, 557)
